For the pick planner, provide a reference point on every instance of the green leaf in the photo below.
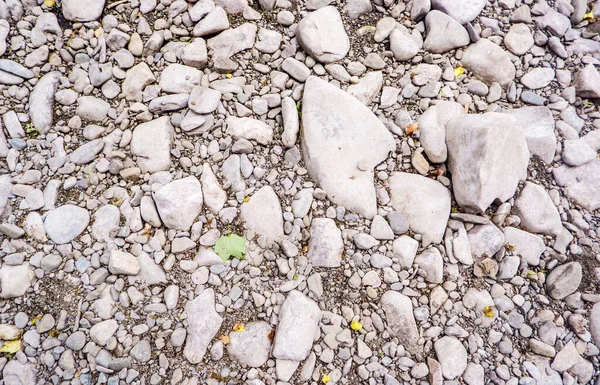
(230, 245)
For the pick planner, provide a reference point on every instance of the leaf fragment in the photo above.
(225, 340)
(49, 3)
(355, 325)
(230, 245)
(325, 379)
(11, 347)
(589, 15)
(411, 128)
(239, 327)
(458, 71)
(488, 311)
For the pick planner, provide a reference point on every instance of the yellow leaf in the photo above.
(488, 311)
(411, 128)
(246, 199)
(238, 327)
(11, 347)
(589, 15)
(49, 3)
(325, 379)
(225, 340)
(36, 319)
(355, 325)
(458, 71)
(228, 76)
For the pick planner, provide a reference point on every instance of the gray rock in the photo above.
(403, 45)
(487, 156)
(423, 202)
(233, 40)
(92, 108)
(400, 320)
(489, 63)
(537, 78)
(298, 322)
(564, 280)
(524, 244)
(82, 10)
(296, 69)
(194, 54)
(582, 184)
(151, 144)
(538, 125)
(339, 153)
(136, 79)
(536, 210)
(291, 124)
(555, 22)
(485, 240)
(368, 88)
(431, 262)
(518, 39)
(595, 324)
(269, 41)
(452, 356)
(106, 223)
(76, 341)
(15, 280)
(121, 262)
(322, 35)
(380, 229)
(262, 213)
(252, 345)
(179, 79)
(142, 351)
(250, 129)
(587, 82)
(66, 223)
(577, 152)
(326, 246)
(168, 103)
(16, 373)
(179, 202)
(41, 102)
(203, 324)
(355, 8)
(432, 126)
(150, 272)
(101, 332)
(213, 194)
(215, 21)
(87, 152)
(462, 11)
(232, 7)
(444, 33)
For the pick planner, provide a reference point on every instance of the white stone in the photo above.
(179, 202)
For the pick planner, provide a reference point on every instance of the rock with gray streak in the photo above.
(262, 213)
(322, 35)
(298, 322)
(564, 280)
(339, 152)
(66, 223)
(252, 345)
(326, 245)
(151, 144)
(203, 323)
(400, 320)
(536, 210)
(444, 33)
(489, 63)
(179, 202)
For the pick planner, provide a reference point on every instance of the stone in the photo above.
(566, 358)
(66, 223)
(538, 124)
(250, 129)
(82, 10)
(403, 45)
(485, 240)
(587, 82)
(431, 262)
(86, 153)
(518, 39)
(368, 87)
(452, 356)
(380, 229)
(136, 80)
(232, 41)
(151, 144)
(487, 157)
(150, 273)
(537, 78)
(423, 202)
(432, 126)
(298, 322)
(595, 323)
(405, 249)
(322, 35)
(582, 183)
(101, 332)
(489, 63)
(339, 153)
(203, 323)
(204, 100)
(252, 345)
(194, 54)
(213, 194)
(527, 245)
(15, 280)
(537, 211)
(326, 246)
(121, 262)
(269, 41)
(232, 7)
(564, 280)
(41, 102)
(355, 8)
(443, 33)
(179, 79)
(296, 69)
(462, 11)
(179, 203)
(141, 351)
(17, 373)
(577, 152)
(291, 123)
(92, 108)
(215, 21)
(400, 320)
(262, 213)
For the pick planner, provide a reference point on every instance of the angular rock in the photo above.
(432, 126)
(487, 157)
(462, 11)
(298, 322)
(179, 203)
(215, 21)
(582, 184)
(489, 63)
(444, 33)
(485, 240)
(151, 144)
(233, 40)
(262, 213)
(121, 262)
(16, 373)
(431, 262)
(339, 151)
(179, 79)
(252, 345)
(368, 88)
(423, 202)
(527, 245)
(136, 79)
(537, 78)
(203, 324)
(587, 82)
(250, 129)
(537, 211)
(452, 355)
(214, 196)
(326, 245)
(82, 10)
(322, 35)
(15, 280)
(403, 45)
(66, 223)
(400, 320)
(564, 280)
(538, 124)
(87, 152)
(204, 100)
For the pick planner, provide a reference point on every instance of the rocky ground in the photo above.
(416, 183)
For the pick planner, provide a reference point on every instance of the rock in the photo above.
(326, 245)
(489, 63)
(151, 144)
(582, 184)
(179, 203)
(339, 153)
(564, 280)
(179, 79)
(322, 35)
(136, 80)
(101, 332)
(250, 129)
(106, 223)
(92, 108)
(121, 262)
(216, 21)
(403, 45)
(252, 345)
(15, 280)
(296, 69)
(587, 82)
(355, 8)
(518, 39)
(298, 322)
(204, 100)
(487, 157)
(232, 41)
(485, 240)
(527, 245)
(203, 324)
(87, 153)
(268, 41)
(232, 7)
(142, 351)
(400, 320)
(367, 89)
(291, 124)
(4, 30)
(432, 126)
(452, 355)
(431, 262)
(41, 102)
(16, 373)
(443, 33)
(150, 273)
(82, 10)
(577, 152)
(194, 54)
(536, 210)
(538, 125)
(168, 103)
(66, 223)
(423, 202)
(462, 11)
(214, 196)
(566, 358)
(380, 228)
(537, 78)
(555, 22)
(262, 213)
(405, 249)
(595, 324)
